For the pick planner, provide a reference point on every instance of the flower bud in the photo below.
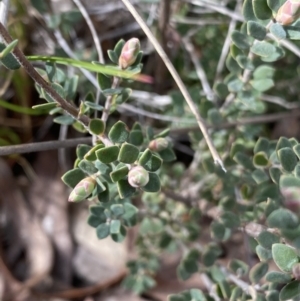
(158, 144)
(288, 12)
(129, 53)
(82, 190)
(138, 176)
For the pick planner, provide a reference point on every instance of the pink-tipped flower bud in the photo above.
(138, 176)
(82, 190)
(288, 12)
(129, 53)
(158, 144)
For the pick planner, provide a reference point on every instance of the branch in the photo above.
(178, 81)
(67, 107)
(42, 146)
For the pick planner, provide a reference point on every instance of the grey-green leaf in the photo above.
(284, 257)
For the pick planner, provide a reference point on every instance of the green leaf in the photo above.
(93, 106)
(103, 230)
(296, 149)
(284, 256)
(136, 137)
(154, 183)
(283, 142)
(96, 126)
(292, 32)
(262, 253)
(238, 267)
(214, 116)
(274, 4)
(287, 158)
(221, 90)
(235, 85)
(73, 177)
(248, 11)
(94, 221)
(274, 56)
(260, 159)
(283, 219)
(275, 174)
(128, 153)
(262, 10)
(113, 56)
(236, 294)
(117, 210)
(197, 295)
(108, 154)
(9, 61)
(118, 133)
(230, 220)
(103, 81)
(91, 154)
(153, 164)
(278, 277)
(244, 62)
(217, 230)
(263, 49)
(259, 176)
(119, 237)
(278, 31)
(262, 85)
(82, 150)
(232, 66)
(87, 167)
(64, 119)
(162, 134)
(262, 145)
(125, 190)
(289, 181)
(71, 85)
(104, 196)
(267, 239)
(243, 160)
(45, 107)
(124, 96)
(115, 226)
(119, 174)
(119, 46)
(256, 30)
(8, 49)
(258, 271)
(167, 155)
(290, 291)
(263, 71)
(240, 40)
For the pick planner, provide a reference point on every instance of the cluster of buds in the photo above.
(129, 53)
(138, 176)
(158, 144)
(288, 12)
(82, 190)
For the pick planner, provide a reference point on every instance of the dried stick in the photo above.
(42, 146)
(178, 81)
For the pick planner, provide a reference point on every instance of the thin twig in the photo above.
(109, 99)
(42, 146)
(18, 54)
(92, 29)
(178, 81)
(199, 69)
(226, 45)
